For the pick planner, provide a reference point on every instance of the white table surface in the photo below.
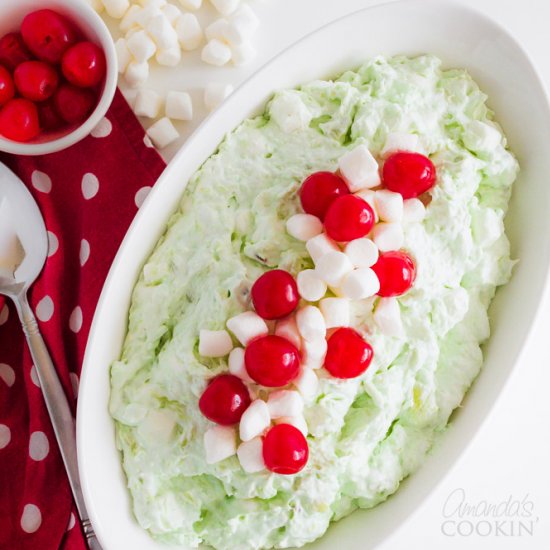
(510, 457)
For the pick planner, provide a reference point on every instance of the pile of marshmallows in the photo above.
(343, 267)
(160, 30)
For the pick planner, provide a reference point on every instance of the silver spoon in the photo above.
(31, 232)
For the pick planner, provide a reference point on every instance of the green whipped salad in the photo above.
(368, 433)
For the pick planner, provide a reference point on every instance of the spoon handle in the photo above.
(58, 408)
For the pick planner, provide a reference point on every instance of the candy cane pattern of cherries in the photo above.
(341, 210)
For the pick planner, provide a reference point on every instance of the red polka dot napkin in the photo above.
(88, 196)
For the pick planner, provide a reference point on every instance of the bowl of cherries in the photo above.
(58, 74)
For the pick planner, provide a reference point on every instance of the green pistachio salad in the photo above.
(314, 312)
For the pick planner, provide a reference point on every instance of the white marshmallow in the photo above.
(141, 46)
(179, 106)
(123, 55)
(147, 103)
(414, 211)
(311, 323)
(225, 7)
(162, 32)
(361, 252)
(189, 31)
(245, 21)
(129, 19)
(313, 353)
(149, 11)
(319, 246)
(307, 383)
(304, 226)
(368, 196)
(191, 4)
(216, 53)
(333, 267)
(136, 73)
(388, 236)
(359, 169)
(157, 4)
(397, 141)
(171, 13)
(389, 205)
(360, 283)
(387, 316)
(287, 328)
(116, 8)
(254, 420)
(220, 442)
(310, 287)
(237, 366)
(243, 53)
(247, 326)
(214, 343)
(251, 455)
(335, 311)
(285, 403)
(162, 133)
(289, 112)
(218, 30)
(169, 57)
(215, 94)
(298, 422)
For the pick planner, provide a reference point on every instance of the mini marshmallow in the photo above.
(313, 353)
(388, 236)
(319, 246)
(247, 326)
(243, 54)
(191, 4)
(251, 456)
(171, 13)
(116, 8)
(237, 366)
(141, 46)
(136, 73)
(217, 29)
(359, 169)
(285, 403)
(361, 252)
(311, 323)
(389, 205)
(287, 328)
(289, 112)
(162, 32)
(189, 31)
(387, 316)
(215, 94)
(397, 141)
(298, 422)
(157, 4)
(225, 7)
(368, 196)
(148, 12)
(307, 384)
(147, 103)
(310, 287)
(335, 311)
(214, 343)
(333, 267)
(304, 226)
(216, 53)
(220, 442)
(245, 21)
(179, 106)
(129, 19)
(123, 55)
(414, 211)
(162, 133)
(360, 283)
(169, 57)
(254, 420)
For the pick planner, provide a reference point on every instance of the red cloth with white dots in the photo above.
(88, 196)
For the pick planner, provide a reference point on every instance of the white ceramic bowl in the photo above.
(12, 13)
(462, 38)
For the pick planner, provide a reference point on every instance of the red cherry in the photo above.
(272, 361)
(349, 218)
(73, 104)
(13, 51)
(319, 191)
(409, 174)
(49, 117)
(396, 272)
(47, 34)
(7, 89)
(285, 449)
(275, 294)
(84, 64)
(19, 120)
(36, 80)
(348, 354)
(224, 400)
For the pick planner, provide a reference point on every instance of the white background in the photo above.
(511, 454)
